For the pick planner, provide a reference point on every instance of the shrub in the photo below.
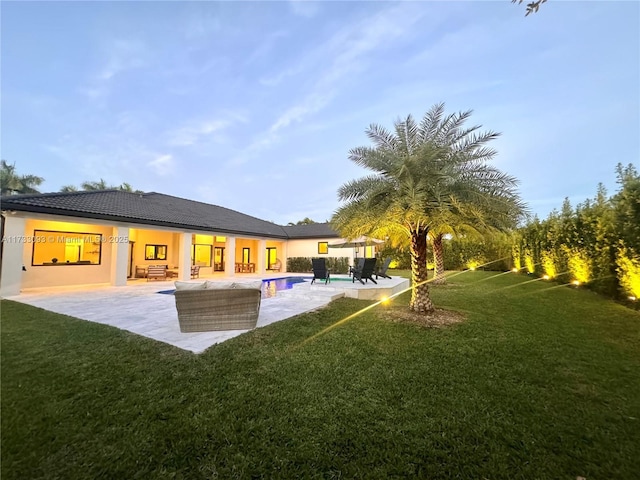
(303, 264)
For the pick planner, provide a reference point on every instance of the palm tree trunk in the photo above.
(420, 299)
(438, 257)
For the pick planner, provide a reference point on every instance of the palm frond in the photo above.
(357, 189)
(381, 137)
(378, 160)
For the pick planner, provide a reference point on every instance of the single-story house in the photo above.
(110, 236)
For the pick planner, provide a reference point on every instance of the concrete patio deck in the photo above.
(140, 309)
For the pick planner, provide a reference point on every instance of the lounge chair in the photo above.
(195, 271)
(382, 271)
(357, 265)
(366, 272)
(156, 272)
(320, 270)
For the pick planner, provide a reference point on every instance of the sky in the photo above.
(254, 106)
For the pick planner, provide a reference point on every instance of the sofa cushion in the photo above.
(189, 285)
(256, 284)
(209, 285)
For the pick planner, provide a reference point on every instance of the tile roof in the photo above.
(314, 230)
(149, 209)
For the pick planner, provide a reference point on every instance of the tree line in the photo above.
(595, 243)
(12, 183)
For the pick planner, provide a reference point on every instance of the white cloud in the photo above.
(348, 50)
(267, 44)
(312, 104)
(192, 134)
(162, 165)
(123, 55)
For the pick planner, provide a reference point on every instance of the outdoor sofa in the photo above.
(211, 306)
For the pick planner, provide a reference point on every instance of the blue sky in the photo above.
(255, 105)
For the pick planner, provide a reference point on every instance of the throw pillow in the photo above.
(209, 285)
(189, 286)
(257, 284)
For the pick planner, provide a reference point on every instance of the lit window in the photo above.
(66, 248)
(201, 255)
(323, 247)
(155, 252)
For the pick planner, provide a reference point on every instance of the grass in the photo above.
(535, 383)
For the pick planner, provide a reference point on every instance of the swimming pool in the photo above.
(271, 286)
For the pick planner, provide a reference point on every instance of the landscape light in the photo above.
(576, 282)
(514, 270)
(546, 277)
(384, 300)
(632, 298)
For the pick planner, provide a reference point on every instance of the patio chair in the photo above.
(141, 271)
(276, 266)
(382, 271)
(366, 272)
(195, 271)
(357, 265)
(156, 272)
(320, 270)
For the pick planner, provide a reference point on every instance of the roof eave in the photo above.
(142, 221)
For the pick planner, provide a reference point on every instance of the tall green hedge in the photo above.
(597, 243)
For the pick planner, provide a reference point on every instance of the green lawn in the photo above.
(535, 383)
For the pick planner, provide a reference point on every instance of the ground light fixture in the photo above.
(546, 277)
(576, 283)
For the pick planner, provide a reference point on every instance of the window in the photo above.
(323, 247)
(201, 255)
(271, 257)
(66, 248)
(218, 256)
(155, 252)
(246, 255)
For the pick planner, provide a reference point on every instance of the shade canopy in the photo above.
(356, 242)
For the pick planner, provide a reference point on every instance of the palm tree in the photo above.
(473, 220)
(426, 175)
(99, 185)
(11, 183)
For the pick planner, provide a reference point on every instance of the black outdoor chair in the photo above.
(320, 270)
(382, 271)
(358, 263)
(366, 272)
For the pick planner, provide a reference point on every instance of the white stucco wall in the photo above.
(52, 276)
(309, 248)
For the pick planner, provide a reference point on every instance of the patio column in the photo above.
(284, 256)
(184, 261)
(13, 245)
(230, 263)
(119, 256)
(262, 252)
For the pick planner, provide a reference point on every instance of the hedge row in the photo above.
(596, 244)
(303, 264)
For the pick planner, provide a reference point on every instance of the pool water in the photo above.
(271, 286)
